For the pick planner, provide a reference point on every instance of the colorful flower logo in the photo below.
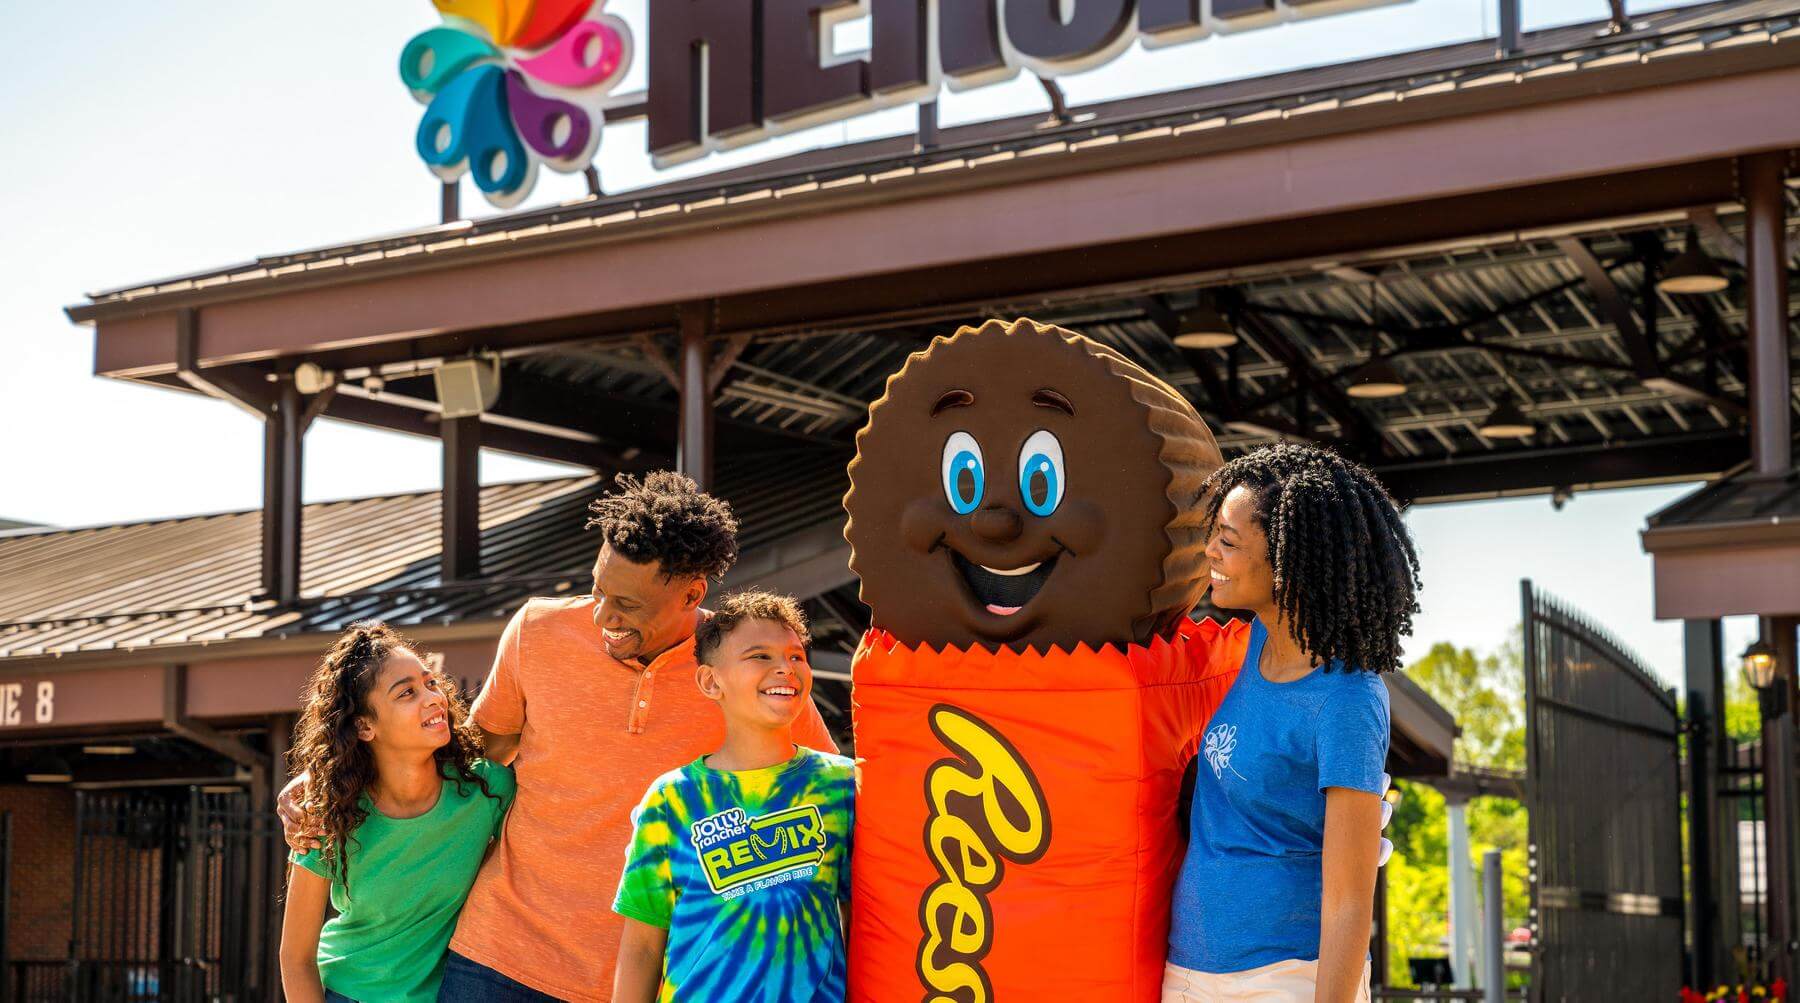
(511, 84)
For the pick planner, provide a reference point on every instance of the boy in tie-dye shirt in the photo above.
(739, 864)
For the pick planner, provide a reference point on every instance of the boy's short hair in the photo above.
(740, 607)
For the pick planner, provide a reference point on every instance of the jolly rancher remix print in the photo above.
(719, 857)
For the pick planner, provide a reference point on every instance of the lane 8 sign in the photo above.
(15, 704)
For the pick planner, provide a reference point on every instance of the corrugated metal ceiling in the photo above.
(196, 579)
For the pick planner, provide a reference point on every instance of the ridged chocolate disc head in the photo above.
(1023, 485)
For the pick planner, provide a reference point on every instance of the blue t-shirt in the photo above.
(1251, 884)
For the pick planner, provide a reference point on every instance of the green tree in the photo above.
(1485, 693)
(1487, 697)
(1743, 721)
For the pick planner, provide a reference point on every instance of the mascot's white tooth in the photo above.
(1026, 570)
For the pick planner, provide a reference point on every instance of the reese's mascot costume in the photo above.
(1024, 519)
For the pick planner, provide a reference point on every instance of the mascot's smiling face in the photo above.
(1022, 485)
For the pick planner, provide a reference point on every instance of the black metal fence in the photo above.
(1604, 790)
(1741, 796)
(174, 900)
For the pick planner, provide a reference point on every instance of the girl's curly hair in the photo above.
(339, 765)
(1346, 574)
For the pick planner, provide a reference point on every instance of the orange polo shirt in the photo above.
(593, 733)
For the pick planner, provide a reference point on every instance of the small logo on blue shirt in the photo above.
(1221, 741)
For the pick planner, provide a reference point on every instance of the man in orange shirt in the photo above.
(573, 704)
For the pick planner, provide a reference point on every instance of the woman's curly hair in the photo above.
(339, 765)
(1346, 574)
(666, 518)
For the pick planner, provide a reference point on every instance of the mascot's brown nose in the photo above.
(998, 523)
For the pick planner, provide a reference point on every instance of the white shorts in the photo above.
(1281, 982)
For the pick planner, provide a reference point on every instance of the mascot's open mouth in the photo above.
(1003, 591)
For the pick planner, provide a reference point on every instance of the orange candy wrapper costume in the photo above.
(1025, 520)
(1016, 832)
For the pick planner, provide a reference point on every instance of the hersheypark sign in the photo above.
(514, 85)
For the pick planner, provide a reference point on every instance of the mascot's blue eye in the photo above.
(965, 478)
(1042, 480)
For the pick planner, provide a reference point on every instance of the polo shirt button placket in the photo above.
(642, 711)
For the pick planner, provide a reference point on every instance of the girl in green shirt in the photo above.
(406, 811)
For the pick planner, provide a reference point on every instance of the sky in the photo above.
(148, 140)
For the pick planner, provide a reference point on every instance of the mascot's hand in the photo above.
(1389, 797)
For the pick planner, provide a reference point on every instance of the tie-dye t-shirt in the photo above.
(746, 870)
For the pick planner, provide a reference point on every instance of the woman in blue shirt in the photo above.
(1277, 889)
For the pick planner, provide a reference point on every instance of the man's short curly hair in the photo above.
(666, 518)
(740, 608)
(1345, 570)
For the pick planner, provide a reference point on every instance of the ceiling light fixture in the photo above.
(48, 769)
(1205, 327)
(1506, 421)
(1692, 273)
(1376, 380)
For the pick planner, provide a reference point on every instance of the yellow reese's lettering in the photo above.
(986, 809)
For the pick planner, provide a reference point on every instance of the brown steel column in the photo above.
(461, 498)
(1778, 805)
(285, 441)
(1778, 773)
(1765, 259)
(281, 739)
(1703, 652)
(1771, 453)
(271, 503)
(694, 453)
(1378, 932)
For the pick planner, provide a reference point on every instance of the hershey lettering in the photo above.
(728, 72)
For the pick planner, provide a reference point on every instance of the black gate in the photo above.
(173, 899)
(1604, 791)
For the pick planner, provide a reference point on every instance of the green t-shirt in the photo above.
(408, 880)
(746, 870)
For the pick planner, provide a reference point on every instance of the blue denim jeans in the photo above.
(468, 982)
(331, 997)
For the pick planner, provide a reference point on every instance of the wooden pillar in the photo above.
(461, 498)
(1704, 658)
(694, 453)
(1765, 261)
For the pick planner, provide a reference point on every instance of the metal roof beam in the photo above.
(400, 413)
(1522, 471)
(1612, 303)
(1221, 395)
(1357, 428)
(175, 718)
(253, 398)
